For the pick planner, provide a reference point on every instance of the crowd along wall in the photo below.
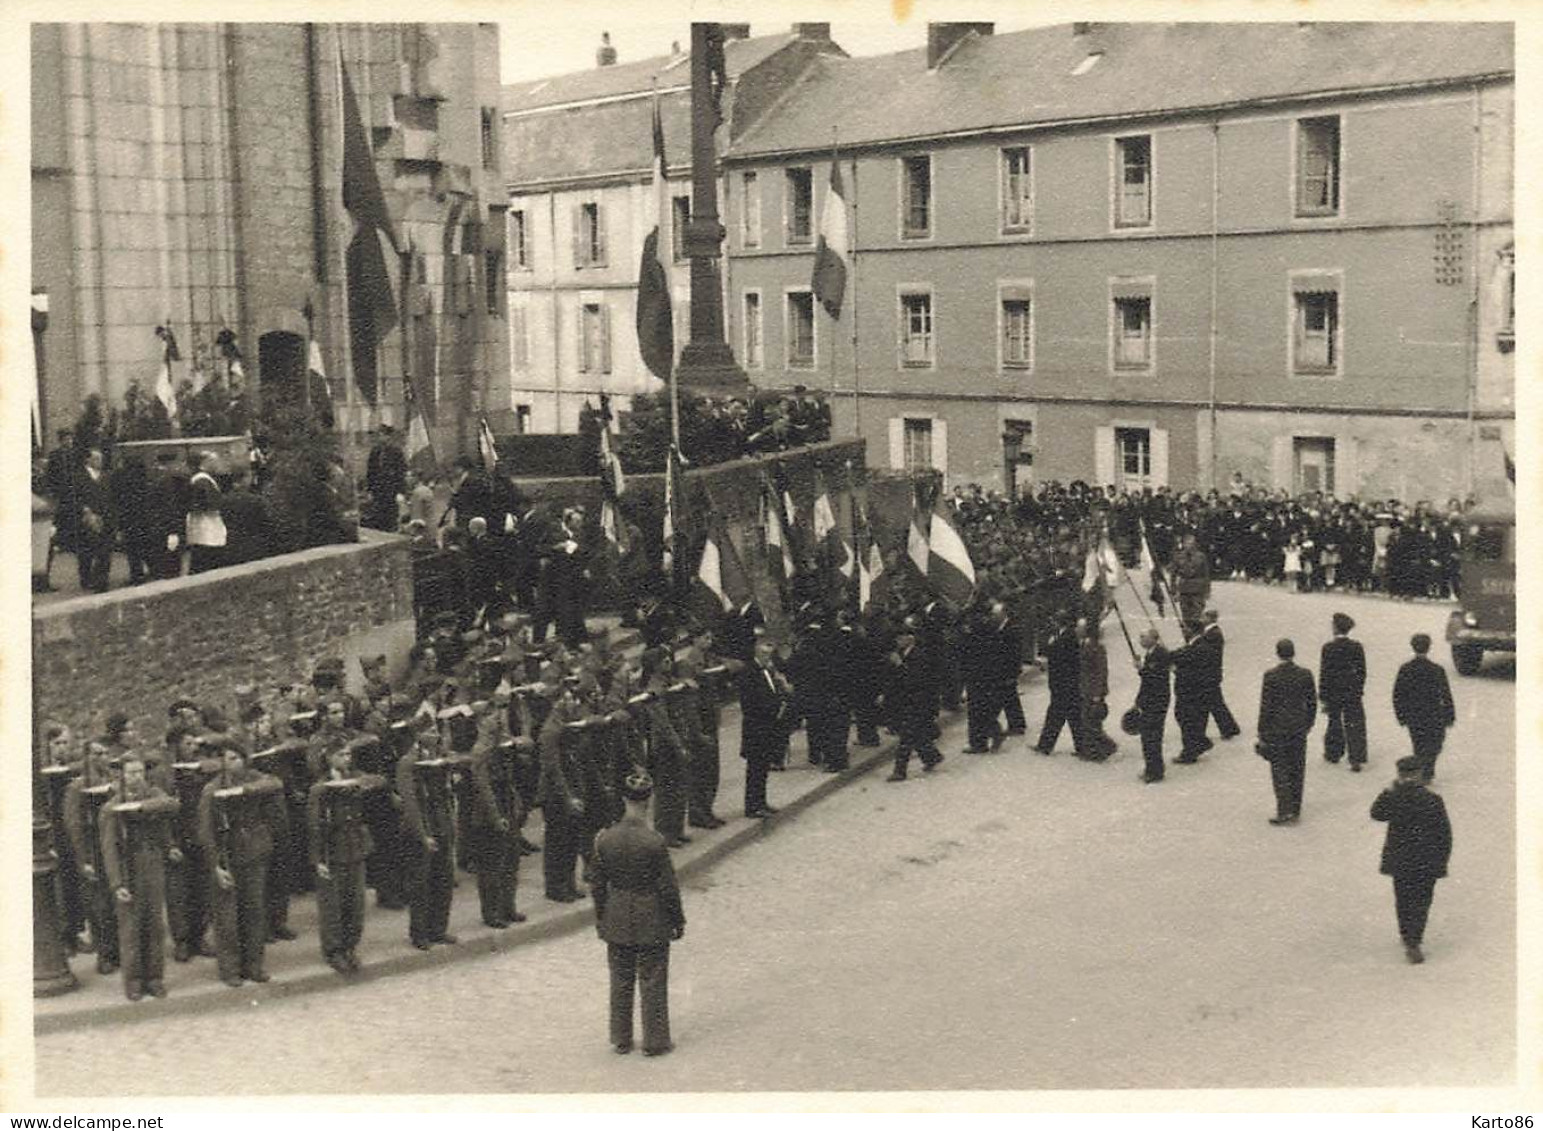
(264, 623)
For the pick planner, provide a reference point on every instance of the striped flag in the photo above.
(870, 560)
(655, 319)
(949, 568)
(722, 584)
(165, 386)
(485, 445)
(674, 500)
(834, 249)
(777, 548)
(420, 446)
(371, 299)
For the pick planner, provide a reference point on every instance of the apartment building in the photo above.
(1146, 254)
(579, 171)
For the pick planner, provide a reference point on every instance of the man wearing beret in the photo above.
(1418, 846)
(638, 913)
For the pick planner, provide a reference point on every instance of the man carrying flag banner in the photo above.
(655, 319)
(834, 249)
(722, 586)
(934, 540)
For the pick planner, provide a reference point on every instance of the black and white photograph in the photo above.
(687, 551)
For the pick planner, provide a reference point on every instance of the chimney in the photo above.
(819, 32)
(605, 54)
(944, 37)
(735, 31)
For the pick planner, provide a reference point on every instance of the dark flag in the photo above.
(371, 303)
(656, 324)
(835, 248)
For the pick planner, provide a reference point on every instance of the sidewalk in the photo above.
(297, 967)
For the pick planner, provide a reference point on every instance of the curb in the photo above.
(215, 1000)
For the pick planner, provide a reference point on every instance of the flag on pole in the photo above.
(830, 546)
(1109, 562)
(722, 584)
(420, 446)
(486, 448)
(674, 503)
(165, 386)
(778, 550)
(371, 302)
(656, 325)
(317, 368)
(834, 248)
(1148, 563)
(870, 560)
(1091, 571)
(949, 568)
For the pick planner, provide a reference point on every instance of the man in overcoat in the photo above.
(1422, 702)
(1341, 681)
(638, 914)
(1415, 854)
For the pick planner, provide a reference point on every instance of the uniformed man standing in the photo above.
(137, 840)
(562, 803)
(1341, 681)
(424, 783)
(493, 827)
(84, 799)
(1192, 575)
(241, 814)
(1191, 697)
(339, 844)
(638, 914)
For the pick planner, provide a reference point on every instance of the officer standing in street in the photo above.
(1288, 706)
(1341, 681)
(339, 844)
(1415, 854)
(638, 914)
(424, 783)
(137, 840)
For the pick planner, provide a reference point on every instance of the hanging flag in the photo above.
(656, 328)
(39, 311)
(610, 461)
(316, 368)
(949, 568)
(165, 386)
(674, 517)
(722, 584)
(1091, 571)
(1109, 562)
(486, 448)
(834, 249)
(870, 560)
(371, 302)
(420, 446)
(778, 549)
(1148, 563)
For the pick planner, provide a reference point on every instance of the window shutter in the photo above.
(1159, 457)
(940, 445)
(578, 235)
(582, 325)
(1280, 463)
(897, 443)
(1103, 455)
(600, 244)
(605, 338)
(1346, 466)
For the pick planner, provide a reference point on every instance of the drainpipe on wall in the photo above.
(1472, 351)
(1215, 268)
(557, 337)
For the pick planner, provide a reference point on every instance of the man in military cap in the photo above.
(84, 799)
(495, 817)
(671, 740)
(638, 914)
(137, 840)
(240, 814)
(339, 845)
(562, 802)
(703, 674)
(188, 879)
(423, 782)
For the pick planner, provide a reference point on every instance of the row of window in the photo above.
(1314, 339)
(1317, 180)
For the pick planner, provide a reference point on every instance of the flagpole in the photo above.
(857, 403)
(662, 215)
(834, 147)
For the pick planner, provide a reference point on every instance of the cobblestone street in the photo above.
(1009, 922)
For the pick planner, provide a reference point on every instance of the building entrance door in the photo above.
(1314, 464)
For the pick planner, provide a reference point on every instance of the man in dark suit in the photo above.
(912, 702)
(1422, 702)
(1063, 664)
(1288, 706)
(1416, 851)
(94, 539)
(1191, 696)
(638, 914)
(763, 703)
(1341, 681)
(1152, 698)
(385, 477)
(1215, 652)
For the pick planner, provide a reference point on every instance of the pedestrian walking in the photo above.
(1422, 703)
(638, 914)
(1341, 681)
(1063, 673)
(1416, 851)
(1215, 671)
(912, 702)
(1288, 706)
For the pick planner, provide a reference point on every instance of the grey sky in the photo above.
(565, 38)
